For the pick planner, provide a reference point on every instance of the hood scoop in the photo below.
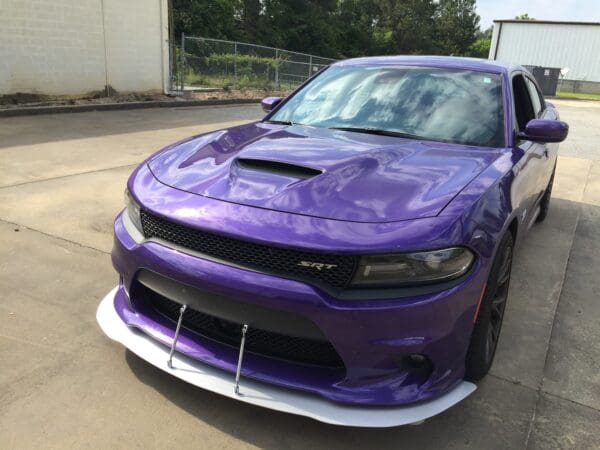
(277, 168)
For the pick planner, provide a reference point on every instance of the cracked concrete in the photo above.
(63, 384)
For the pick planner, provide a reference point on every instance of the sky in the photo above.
(569, 10)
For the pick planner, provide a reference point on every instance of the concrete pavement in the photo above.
(63, 384)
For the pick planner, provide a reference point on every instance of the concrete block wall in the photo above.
(73, 47)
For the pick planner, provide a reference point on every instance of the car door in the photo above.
(531, 166)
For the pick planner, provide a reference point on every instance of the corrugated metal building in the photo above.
(572, 45)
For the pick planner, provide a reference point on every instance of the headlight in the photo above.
(132, 209)
(412, 268)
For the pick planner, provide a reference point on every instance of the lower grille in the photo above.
(260, 342)
(328, 269)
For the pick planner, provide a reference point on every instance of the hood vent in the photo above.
(278, 168)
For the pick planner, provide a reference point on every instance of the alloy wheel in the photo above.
(498, 304)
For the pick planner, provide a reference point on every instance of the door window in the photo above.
(535, 97)
(523, 106)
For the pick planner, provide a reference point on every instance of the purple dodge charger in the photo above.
(348, 257)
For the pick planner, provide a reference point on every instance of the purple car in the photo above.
(348, 257)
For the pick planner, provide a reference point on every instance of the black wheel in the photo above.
(545, 203)
(486, 331)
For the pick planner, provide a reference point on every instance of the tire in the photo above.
(486, 331)
(545, 203)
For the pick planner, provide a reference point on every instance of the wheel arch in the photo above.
(513, 227)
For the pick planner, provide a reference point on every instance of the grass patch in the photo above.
(239, 71)
(226, 82)
(580, 95)
(243, 81)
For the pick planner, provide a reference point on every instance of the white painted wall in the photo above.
(72, 47)
(550, 45)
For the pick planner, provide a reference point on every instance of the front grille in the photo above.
(261, 342)
(260, 257)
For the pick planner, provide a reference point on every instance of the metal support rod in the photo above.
(182, 63)
(235, 83)
(176, 337)
(277, 67)
(310, 66)
(200, 38)
(236, 389)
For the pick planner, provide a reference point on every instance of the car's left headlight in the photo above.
(132, 209)
(412, 268)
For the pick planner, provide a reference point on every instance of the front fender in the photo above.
(488, 204)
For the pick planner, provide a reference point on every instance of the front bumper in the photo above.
(262, 394)
(371, 337)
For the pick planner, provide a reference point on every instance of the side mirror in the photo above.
(268, 103)
(540, 130)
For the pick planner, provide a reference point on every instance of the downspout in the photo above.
(172, 55)
(164, 6)
(107, 88)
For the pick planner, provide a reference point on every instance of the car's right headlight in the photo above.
(132, 209)
(412, 269)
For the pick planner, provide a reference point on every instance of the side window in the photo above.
(535, 97)
(523, 106)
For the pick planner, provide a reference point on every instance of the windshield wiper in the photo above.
(280, 122)
(379, 132)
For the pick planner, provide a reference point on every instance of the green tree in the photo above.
(302, 25)
(457, 26)
(339, 28)
(405, 26)
(481, 47)
(208, 18)
(356, 27)
(524, 17)
(250, 20)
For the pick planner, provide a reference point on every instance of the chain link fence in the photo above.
(216, 63)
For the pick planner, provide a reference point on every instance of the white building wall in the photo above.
(550, 45)
(73, 47)
(134, 38)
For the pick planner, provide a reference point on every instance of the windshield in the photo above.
(446, 105)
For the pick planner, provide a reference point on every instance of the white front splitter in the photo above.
(266, 395)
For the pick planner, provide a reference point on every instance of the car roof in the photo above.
(454, 62)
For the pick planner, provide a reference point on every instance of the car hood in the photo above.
(321, 172)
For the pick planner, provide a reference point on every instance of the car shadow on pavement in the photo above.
(497, 415)
(259, 426)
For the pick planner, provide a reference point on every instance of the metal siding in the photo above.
(495, 32)
(552, 45)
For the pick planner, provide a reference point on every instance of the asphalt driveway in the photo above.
(63, 384)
